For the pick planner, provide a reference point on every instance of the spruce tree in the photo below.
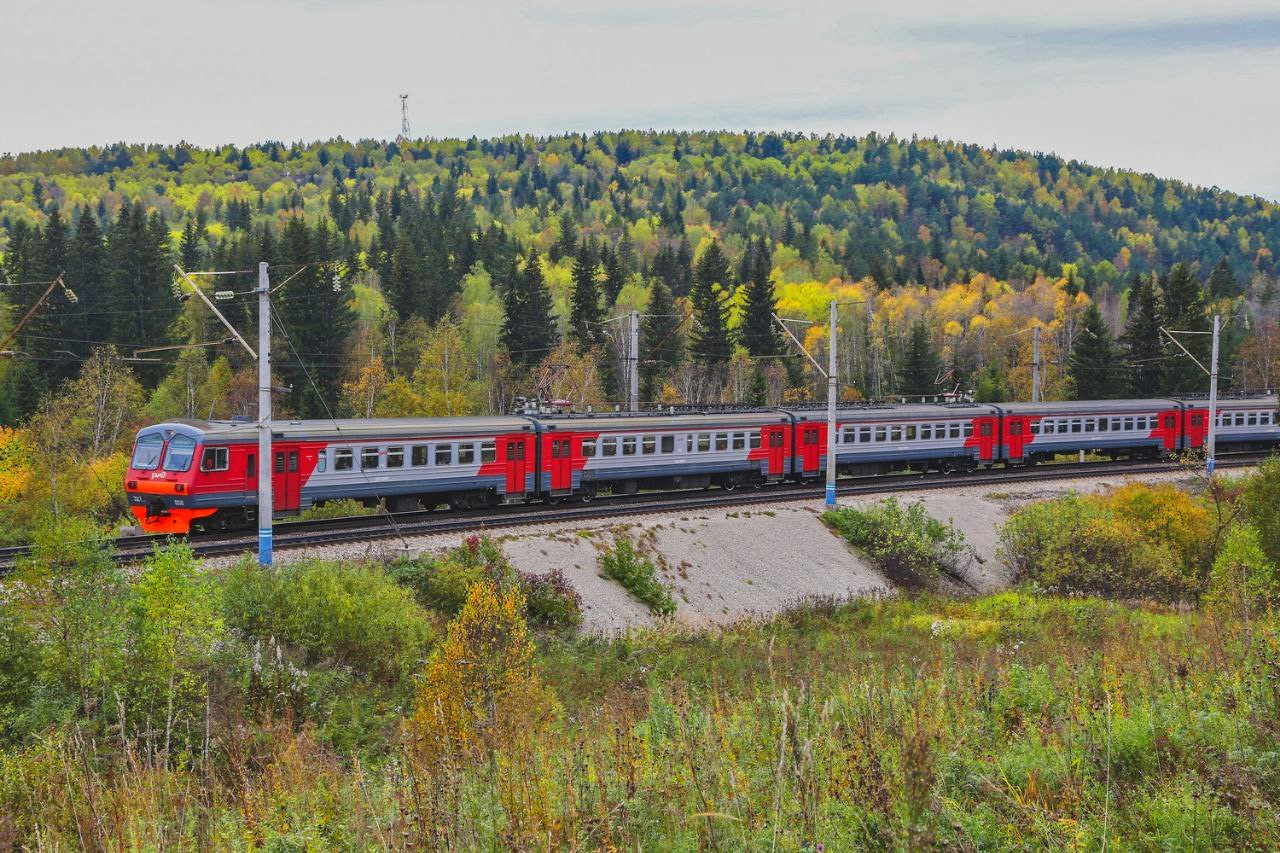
(139, 263)
(614, 276)
(759, 332)
(758, 390)
(921, 363)
(712, 342)
(1094, 367)
(1184, 309)
(585, 314)
(528, 330)
(86, 271)
(661, 349)
(1144, 353)
(1222, 281)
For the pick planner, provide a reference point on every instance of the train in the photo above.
(191, 476)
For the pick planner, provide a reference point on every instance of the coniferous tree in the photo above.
(614, 277)
(758, 390)
(1222, 281)
(1184, 310)
(189, 250)
(528, 330)
(585, 314)
(1144, 353)
(86, 270)
(920, 364)
(139, 262)
(661, 347)
(1094, 367)
(712, 342)
(44, 336)
(759, 333)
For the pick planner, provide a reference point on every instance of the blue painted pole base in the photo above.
(264, 546)
(831, 497)
(1208, 465)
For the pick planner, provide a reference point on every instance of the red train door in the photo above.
(775, 441)
(284, 478)
(513, 451)
(559, 456)
(811, 446)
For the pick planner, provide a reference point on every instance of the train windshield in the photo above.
(181, 449)
(146, 453)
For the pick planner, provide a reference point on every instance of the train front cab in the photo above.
(161, 481)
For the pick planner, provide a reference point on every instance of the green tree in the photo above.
(1184, 308)
(529, 327)
(661, 346)
(712, 341)
(1222, 281)
(1141, 339)
(86, 268)
(1094, 366)
(585, 313)
(140, 272)
(921, 363)
(759, 333)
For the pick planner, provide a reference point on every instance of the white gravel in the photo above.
(727, 563)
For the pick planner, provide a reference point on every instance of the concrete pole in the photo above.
(1211, 441)
(831, 410)
(633, 378)
(1035, 364)
(265, 507)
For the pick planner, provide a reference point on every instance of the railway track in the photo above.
(366, 528)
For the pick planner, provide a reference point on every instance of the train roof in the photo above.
(1083, 407)
(660, 420)
(354, 429)
(1227, 401)
(894, 412)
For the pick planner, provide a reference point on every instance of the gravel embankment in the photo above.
(728, 563)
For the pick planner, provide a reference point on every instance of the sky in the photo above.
(1181, 89)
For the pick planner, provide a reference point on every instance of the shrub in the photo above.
(637, 575)
(905, 543)
(550, 600)
(348, 614)
(336, 509)
(1242, 577)
(1260, 504)
(1097, 546)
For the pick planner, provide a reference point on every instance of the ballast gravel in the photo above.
(729, 563)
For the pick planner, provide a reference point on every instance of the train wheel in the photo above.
(588, 494)
(730, 484)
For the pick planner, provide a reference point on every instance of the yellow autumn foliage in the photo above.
(481, 687)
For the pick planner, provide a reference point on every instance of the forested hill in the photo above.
(896, 210)
(507, 257)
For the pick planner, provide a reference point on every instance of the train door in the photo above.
(810, 447)
(774, 439)
(513, 454)
(284, 478)
(560, 462)
(1195, 429)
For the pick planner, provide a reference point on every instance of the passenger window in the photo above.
(739, 441)
(146, 453)
(1128, 424)
(968, 429)
(395, 457)
(322, 461)
(589, 448)
(214, 459)
(467, 454)
(754, 439)
(488, 452)
(608, 447)
(368, 458)
(1089, 425)
(926, 432)
(895, 433)
(629, 445)
(704, 442)
(648, 445)
(953, 430)
(864, 435)
(910, 434)
(421, 455)
(181, 449)
(881, 433)
(1035, 427)
(444, 454)
(722, 441)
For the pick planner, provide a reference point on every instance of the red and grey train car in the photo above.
(203, 474)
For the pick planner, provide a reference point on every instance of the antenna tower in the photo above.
(404, 118)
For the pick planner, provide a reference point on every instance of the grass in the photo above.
(1010, 721)
(638, 575)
